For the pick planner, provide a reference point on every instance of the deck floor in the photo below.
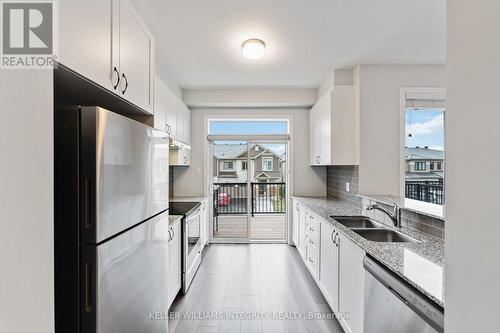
(268, 280)
(262, 227)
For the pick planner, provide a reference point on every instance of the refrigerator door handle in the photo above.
(88, 287)
(88, 203)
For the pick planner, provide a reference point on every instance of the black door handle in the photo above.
(118, 76)
(126, 84)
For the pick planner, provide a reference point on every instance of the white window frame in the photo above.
(424, 92)
(228, 161)
(264, 159)
(242, 164)
(251, 114)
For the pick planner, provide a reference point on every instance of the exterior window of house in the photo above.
(267, 164)
(228, 165)
(244, 165)
(424, 144)
(420, 166)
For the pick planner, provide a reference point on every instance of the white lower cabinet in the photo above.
(312, 243)
(351, 284)
(302, 231)
(336, 264)
(329, 265)
(175, 273)
(295, 223)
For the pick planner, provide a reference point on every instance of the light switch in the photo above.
(347, 186)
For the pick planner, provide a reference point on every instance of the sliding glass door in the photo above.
(249, 190)
(230, 190)
(268, 190)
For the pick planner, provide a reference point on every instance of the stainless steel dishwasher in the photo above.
(393, 306)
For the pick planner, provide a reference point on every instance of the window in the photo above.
(247, 127)
(424, 144)
(420, 166)
(267, 164)
(227, 165)
(244, 165)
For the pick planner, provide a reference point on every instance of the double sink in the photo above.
(371, 230)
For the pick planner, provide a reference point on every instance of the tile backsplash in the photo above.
(336, 179)
(338, 176)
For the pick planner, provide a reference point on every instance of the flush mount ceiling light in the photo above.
(253, 49)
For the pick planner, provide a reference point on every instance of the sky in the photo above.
(251, 128)
(426, 127)
(248, 127)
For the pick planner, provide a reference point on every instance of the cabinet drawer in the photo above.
(312, 258)
(312, 227)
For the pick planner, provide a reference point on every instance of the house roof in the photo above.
(424, 154)
(269, 174)
(229, 151)
(423, 175)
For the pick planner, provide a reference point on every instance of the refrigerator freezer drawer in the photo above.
(127, 291)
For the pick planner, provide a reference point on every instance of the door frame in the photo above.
(208, 167)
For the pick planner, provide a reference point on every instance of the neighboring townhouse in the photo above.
(424, 165)
(231, 164)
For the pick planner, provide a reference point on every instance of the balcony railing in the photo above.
(431, 192)
(265, 198)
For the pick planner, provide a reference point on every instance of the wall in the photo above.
(26, 201)
(250, 97)
(473, 118)
(379, 111)
(307, 180)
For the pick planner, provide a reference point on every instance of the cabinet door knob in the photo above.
(126, 84)
(115, 85)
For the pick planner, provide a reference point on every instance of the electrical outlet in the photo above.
(347, 187)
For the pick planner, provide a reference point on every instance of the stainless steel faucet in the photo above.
(395, 215)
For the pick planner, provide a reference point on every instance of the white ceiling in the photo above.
(199, 41)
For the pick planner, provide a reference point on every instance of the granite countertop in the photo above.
(420, 264)
(173, 218)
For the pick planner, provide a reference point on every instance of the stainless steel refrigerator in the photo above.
(111, 223)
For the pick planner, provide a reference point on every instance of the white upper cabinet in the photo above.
(160, 105)
(107, 42)
(314, 135)
(170, 113)
(334, 128)
(85, 39)
(136, 49)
